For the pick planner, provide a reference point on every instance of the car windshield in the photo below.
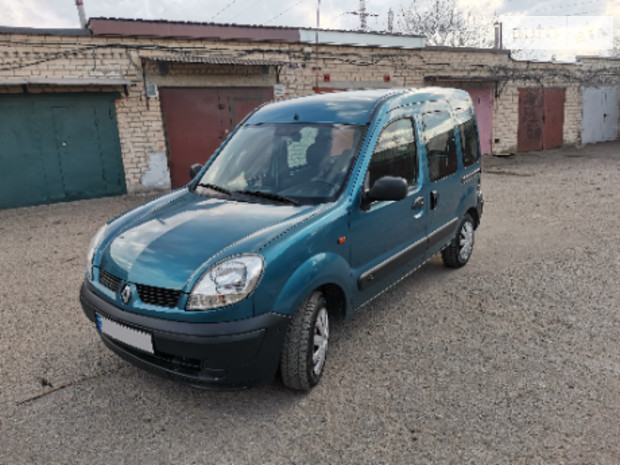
(294, 163)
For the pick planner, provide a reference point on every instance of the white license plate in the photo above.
(132, 337)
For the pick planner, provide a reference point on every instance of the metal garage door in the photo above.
(482, 98)
(199, 119)
(541, 119)
(600, 115)
(56, 147)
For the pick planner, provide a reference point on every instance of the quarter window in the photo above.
(469, 142)
(440, 141)
(395, 153)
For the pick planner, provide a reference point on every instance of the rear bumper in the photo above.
(231, 354)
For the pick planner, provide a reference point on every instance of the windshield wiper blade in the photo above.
(269, 196)
(215, 188)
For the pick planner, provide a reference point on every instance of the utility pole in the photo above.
(363, 14)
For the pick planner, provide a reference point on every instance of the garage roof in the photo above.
(183, 58)
(65, 82)
(190, 30)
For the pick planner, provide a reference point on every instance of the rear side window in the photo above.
(438, 130)
(395, 153)
(469, 142)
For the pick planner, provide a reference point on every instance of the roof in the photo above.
(186, 58)
(354, 107)
(445, 48)
(120, 27)
(44, 31)
(114, 82)
(188, 30)
(368, 39)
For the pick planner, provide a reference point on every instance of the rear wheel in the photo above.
(305, 347)
(457, 253)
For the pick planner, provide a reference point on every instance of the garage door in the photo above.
(600, 115)
(57, 147)
(199, 119)
(482, 98)
(541, 119)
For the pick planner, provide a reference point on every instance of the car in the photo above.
(310, 209)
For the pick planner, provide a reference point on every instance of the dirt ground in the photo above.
(513, 359)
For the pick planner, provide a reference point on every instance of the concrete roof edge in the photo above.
(499, 51)
(368, 33)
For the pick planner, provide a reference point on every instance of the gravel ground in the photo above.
(514, 359)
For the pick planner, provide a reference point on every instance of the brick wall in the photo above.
(44, 58)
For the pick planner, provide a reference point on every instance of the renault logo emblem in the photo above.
(126, 293)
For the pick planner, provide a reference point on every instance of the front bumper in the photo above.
(231, 354)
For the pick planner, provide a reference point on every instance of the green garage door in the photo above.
(57, 147)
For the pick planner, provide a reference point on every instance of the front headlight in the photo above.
(94, 243)
(226, 282)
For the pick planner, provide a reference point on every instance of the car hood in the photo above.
(165, 246)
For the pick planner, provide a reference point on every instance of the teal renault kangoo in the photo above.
(311, 208)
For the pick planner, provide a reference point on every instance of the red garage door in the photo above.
(541, 119)
(198, 120)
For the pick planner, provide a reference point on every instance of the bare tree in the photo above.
(443, 23)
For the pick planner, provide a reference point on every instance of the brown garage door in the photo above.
(541, 119)
(199, 119)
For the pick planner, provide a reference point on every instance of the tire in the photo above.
(457, 253)
(305, 346)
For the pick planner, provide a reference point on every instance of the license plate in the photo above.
(132, 337)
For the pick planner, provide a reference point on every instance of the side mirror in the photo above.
(194, 170)
(387, 188)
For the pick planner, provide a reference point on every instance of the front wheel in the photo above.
(457, 253)
(305, 347)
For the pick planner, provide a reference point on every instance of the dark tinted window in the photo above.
(395, 153)
(438, 129)
(469, 142)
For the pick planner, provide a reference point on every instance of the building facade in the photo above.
(127, 106)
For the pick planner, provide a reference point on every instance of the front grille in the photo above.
(109, 280)
(148, 294)
(158, 295)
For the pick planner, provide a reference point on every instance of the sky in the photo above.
(335, 14)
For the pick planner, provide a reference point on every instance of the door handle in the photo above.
(418, 203)
(434, 199)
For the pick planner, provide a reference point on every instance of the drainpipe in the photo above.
(81, 13)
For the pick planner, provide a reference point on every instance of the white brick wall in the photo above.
(24, 57)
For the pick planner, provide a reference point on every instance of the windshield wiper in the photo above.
(213, 187)
(270, 196)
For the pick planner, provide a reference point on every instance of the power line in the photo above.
(246, 8)
(223, 9)
(285, 11)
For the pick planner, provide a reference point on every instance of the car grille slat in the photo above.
(148, 294)
(158, 295)
(109, 280)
